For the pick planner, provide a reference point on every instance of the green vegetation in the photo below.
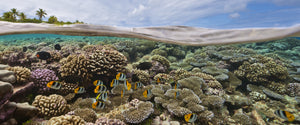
(19, 17)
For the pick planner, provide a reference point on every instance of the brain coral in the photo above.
(262, 69)
(22, 73)
(54, 105)
(75, 67)
(66, 120)
(107, 62)
(139, 114)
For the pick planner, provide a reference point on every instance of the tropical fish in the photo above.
(121, 76)
(43, 55)
(191, 117)
(24, 49)
(98, 83)
(54, 85)
(174, 85)
(114, 82)
(127, 85)
(99, 89)
(57, 47)
(138, 85)
(98, 104)
(176, 94)
(79, 90)
(102, 96)
(144, 65)
(147, 93)
(158, 81)
(285, 115)
(122, 93)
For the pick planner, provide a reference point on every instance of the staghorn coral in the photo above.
(22, 74)
(107, 62)
(66, 120)
(262, 69)
(86, 114)
(41, 77)
(53, 105)
(139, 114)
(5, 75)
(75, 67)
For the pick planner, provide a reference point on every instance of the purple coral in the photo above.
(41, 77)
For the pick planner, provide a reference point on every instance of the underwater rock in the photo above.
(139, 114)
(273, 94)
(20, 92)
(66, 120)
(53, 105)
(7, 111)
(6, 75)
(24, 112)
(5, 93)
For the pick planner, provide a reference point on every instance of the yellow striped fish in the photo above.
(79, 90)
(98, 83)
(127, 85)
(176, 94)
(98, 104)
(191, 117)
(121, 76)
(138, 85)
(122, 93)
(114, 83)
(285, 115)
(102, 96)
(101, 88)
(54, 85)
(147, 93)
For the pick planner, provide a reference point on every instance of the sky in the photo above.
(217, 14)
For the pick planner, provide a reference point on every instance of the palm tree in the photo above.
(8, 16)
(14, 13)
(22, 16)
(41, 13)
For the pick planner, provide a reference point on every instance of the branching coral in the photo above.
(54, 105)
(66, 120)
(139, 114)
(22, 73)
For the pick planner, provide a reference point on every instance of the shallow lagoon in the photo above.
(225, 84)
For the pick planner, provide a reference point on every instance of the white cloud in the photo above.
(234, 15)
(127, 12)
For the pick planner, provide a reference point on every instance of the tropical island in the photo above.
(19, 17)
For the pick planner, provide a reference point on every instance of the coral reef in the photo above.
(66, 120)
(143, 76)
(86, 114)
(139, 114)
(41, 77)
(51, 106)
(160, 64)
(107, 121)
(5, 75)
(293, 89)
(22, 74)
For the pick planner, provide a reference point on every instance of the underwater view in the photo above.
(49, 79)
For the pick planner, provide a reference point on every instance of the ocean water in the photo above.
(155, 82)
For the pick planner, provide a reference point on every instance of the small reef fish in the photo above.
(192, 117)
(79, 90)
(57, 47)
(102, 96)
(174, 85)
(176, 94)
(24, 49)
(98, 83)
(158, 81)
(147, 93)
(99, 89)
(127, 85)
(43, 55)
(114, 83)
(121, 76)
(122, 93)
(97, 104)
(138, 85)
(54, 85)
(144, 65)
(285, 115)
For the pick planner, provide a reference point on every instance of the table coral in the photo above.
(66, 120)
(53, 105)
(22, 74)
(139, 114)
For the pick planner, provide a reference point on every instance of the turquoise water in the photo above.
(224, 81)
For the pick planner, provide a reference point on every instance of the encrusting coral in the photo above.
(22, 74)
(54, 105)
(139, 114)
(66, 120)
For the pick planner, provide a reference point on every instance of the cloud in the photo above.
(234, 15)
